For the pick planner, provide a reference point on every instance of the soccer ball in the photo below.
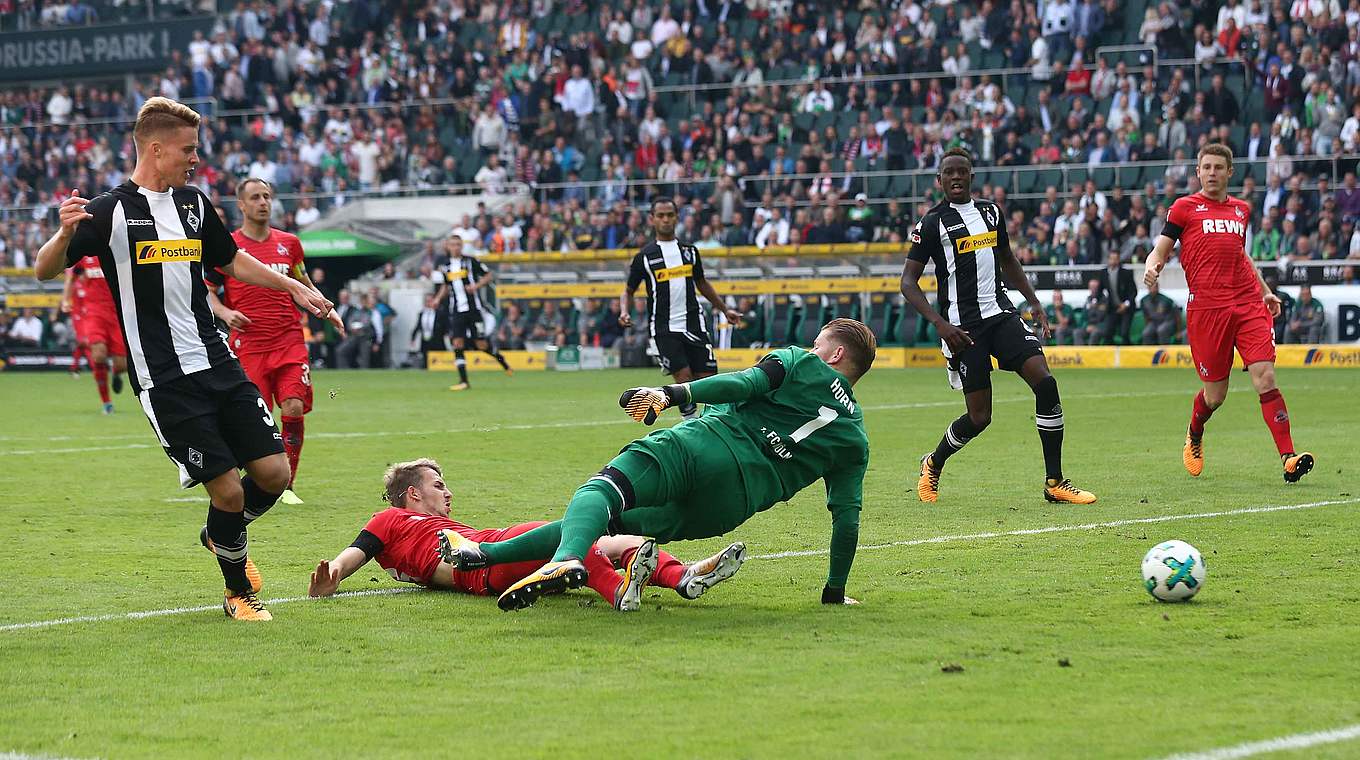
(1173, 571)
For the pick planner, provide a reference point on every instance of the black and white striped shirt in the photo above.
(154, 248)
(670, 269)
(965, 241)
(458, 273)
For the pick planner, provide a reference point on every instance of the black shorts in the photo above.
(466, 325)
(679, 351)
(1005, 336)
(211, 422)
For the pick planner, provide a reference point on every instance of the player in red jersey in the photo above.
(266, 328)
(89, 301)
(404, 539)
(1229, 307)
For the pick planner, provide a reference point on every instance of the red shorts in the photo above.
(1214, 333)
(280, 374)
(100, 326)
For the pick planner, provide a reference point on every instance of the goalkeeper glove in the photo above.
(644, 404)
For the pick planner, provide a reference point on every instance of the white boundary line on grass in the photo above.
(548, 425)
(1278, 744)
(1070, 528)
(25, 756)
(776, 555)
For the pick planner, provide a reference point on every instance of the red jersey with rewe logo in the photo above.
(274, 320)
(410, 540)
(1213, 238)
(91, 290)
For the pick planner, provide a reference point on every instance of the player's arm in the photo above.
(53, 257)
(635, 274)
(234, 319)
(1015, 274)
(252, 271)
(484, 278)
(711, 294)
(66, 291)
(1164, 245)
(328, 575)
(844, 497)
(1272, 301)
(644, 404)
(924, 245)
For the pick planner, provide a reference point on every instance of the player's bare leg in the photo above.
(291, 410)
(1048, 418)
(1209, 398)
(460, 360)
(684, 375)
(1276, 416)
(962, 430)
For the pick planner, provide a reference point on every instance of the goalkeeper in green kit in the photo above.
(769, 431)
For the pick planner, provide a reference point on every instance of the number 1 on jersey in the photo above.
(825, 416)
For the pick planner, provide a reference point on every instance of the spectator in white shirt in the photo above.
(578, 96)
(306, 213)
(775, 231)
(365, 152)
(493, 176)
(59, 106)
(820, 99)
(664, 27)
(26, 330)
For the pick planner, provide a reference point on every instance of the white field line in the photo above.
(776, 555)
(24, 756)
(542, 425)
(1278, 744)
(1069, 528)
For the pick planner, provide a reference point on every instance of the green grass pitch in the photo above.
(1062, 653)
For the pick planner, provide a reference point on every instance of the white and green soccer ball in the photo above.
(1173, 571)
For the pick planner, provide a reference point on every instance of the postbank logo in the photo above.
(672, 273)
(974, 243)
(169, 251)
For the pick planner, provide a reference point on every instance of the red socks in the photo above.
(669, 571)
(1199, 415)
(603, 578)
(1275, 414)
(101, 380)
(292, 445)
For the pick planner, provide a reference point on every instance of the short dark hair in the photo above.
(1217, 149)
(403, 475)
(241, 186)
(960, 152)
(663, 199)
(858, 340)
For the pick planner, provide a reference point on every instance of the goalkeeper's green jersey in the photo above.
(808, 428)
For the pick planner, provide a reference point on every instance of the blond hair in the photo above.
(402, 475)
(857, 339)
(159, 114)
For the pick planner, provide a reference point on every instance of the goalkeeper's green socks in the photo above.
(587, 518)
(530, 545)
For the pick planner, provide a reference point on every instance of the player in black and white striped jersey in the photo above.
(155, 237)
(674, 275)
(461, 279)
(967, 241)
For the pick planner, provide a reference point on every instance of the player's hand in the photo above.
(325, 580)
(954, 337)
(66, 306)
(1152, 272)
(311, 301)
(235, 320)
(733, 315)
(1273, 304)
(645, 404)
(471, 287)
(72, 212)
(1042, 318)
(625, 320)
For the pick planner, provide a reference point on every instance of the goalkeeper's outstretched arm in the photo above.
(644, 404)
(844, 496)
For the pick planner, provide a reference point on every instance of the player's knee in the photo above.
(271, 473)
(291, 407)
(1264, 381)
(1046, 393)
(980, 420)
(1214, 397)
(98, 353)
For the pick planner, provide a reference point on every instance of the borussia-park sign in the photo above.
(95, 50)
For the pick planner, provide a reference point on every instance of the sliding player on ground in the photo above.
(1230, 306)
(88, 300)
(674, 274)
(785, 423)
(967, 240)
(405, 538)
(154, 237)
(266, 327)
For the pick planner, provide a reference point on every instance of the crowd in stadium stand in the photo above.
(599, 107)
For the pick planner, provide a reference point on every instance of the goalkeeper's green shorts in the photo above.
(694, 494)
